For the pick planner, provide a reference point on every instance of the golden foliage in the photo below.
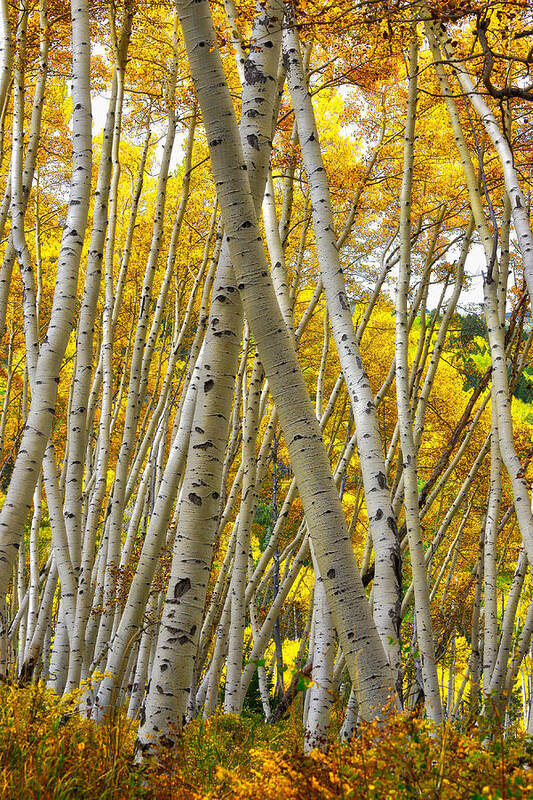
(50, 752)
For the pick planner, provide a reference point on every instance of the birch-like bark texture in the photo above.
(345, 592)
(519, 208)
(494, 322)
(321, 692)
(84, 349)
(387, 580)
(424, 629)
(40, 417)
(490, 589)
(168, 693)
(232, 697)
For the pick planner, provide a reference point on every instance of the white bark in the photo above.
(40, 417)
(382, 521)
(232, 697)
(495, 325)
(333, 551)
(424, 630)
(323, 657)
(169, 688)
(519, 205)
(490, 587)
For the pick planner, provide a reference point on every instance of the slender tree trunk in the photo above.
(323, 657)
(387, 580)
(191, 562)
(424, 630)
(39, 423)
(343, 585)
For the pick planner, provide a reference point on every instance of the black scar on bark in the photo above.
(197, 501)
(331, 573)
(252, 73)
(142, 746)
(253, 141)
(182, 587)
(205, 445)
(343, 301)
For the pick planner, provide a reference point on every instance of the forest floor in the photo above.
(48, 752)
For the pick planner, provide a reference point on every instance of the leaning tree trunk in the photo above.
(424, 631)
(495, 324)
(362, 646)
(39, 423)
(200, 497)
(519, 205)
(381, 520)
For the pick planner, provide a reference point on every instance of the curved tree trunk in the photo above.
(322, 506)
(39, 423)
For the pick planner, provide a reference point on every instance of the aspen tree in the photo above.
(500, 141)
(139, 428)
(6, 55)
(82, 538)
(232, 697)
(77, 434)
(39, 422)
(6, 63)
(321, 692)
(490, 589)
(494, 689)
(438, 346)
(133, 403)
(495, 324)
(424, 630)
(343, 585)
(22, 169)
(168, 693)
(382, 521)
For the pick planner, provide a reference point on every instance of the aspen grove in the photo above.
(266, 272)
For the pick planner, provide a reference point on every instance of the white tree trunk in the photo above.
(333, 550)
(39, 423)
(323, 657)
(382, 522)
(424, 630)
